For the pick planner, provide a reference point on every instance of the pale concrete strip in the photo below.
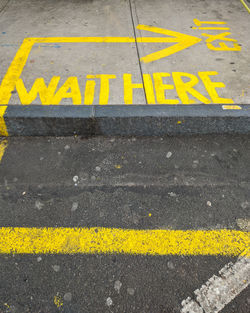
(220, 290)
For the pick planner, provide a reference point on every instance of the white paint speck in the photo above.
(170, 265)
(209, 203)
(117, 286)
(67, 147)
(131, 291)
(67, 296)
(243, 224)
(169, 154)
(41, 158)
(172, 194)
(75, 179)
(39, 205)
(56, 268)
(93, 178)
(98, 169)
(59, 152)
(245, 205)
(39, 259)
(109, 301)
(74, 206)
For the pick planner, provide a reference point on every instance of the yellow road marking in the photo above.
(18, 240)
(14, 72)
(3, 146)
(247, 7)
(183, 41)
(3, 128)
(231, 107)
(212, 28)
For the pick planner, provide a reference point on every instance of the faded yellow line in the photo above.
(3, 128)
(212, 28)
(247, 7)
(125, 241)
(3, 146)
(231, 107)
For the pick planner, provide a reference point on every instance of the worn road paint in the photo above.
(231, 107)
(58, 301)
(3, 128)
(218, 291)
(125, 241)
(3, 146)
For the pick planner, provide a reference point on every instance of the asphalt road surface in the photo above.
(172, 183)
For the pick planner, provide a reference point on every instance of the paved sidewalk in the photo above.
(100, 52)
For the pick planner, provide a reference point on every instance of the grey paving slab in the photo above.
(44, 18)
(191, 52)
(232, 67)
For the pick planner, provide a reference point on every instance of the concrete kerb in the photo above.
(123, 120)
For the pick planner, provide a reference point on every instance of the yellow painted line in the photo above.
(212, 28)
(18, 240)
(3, 128)
(231, 107)
(3, 146)
(15, 70)
(247, 7)
(105, 39)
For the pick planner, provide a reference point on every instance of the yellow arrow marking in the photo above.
(125, 241)
(15, 70)
(182, 42)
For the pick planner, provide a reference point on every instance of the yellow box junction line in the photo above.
(19, 240)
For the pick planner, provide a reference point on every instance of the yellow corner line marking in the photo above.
(3, 128)
(231, 107)
(19, 240)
